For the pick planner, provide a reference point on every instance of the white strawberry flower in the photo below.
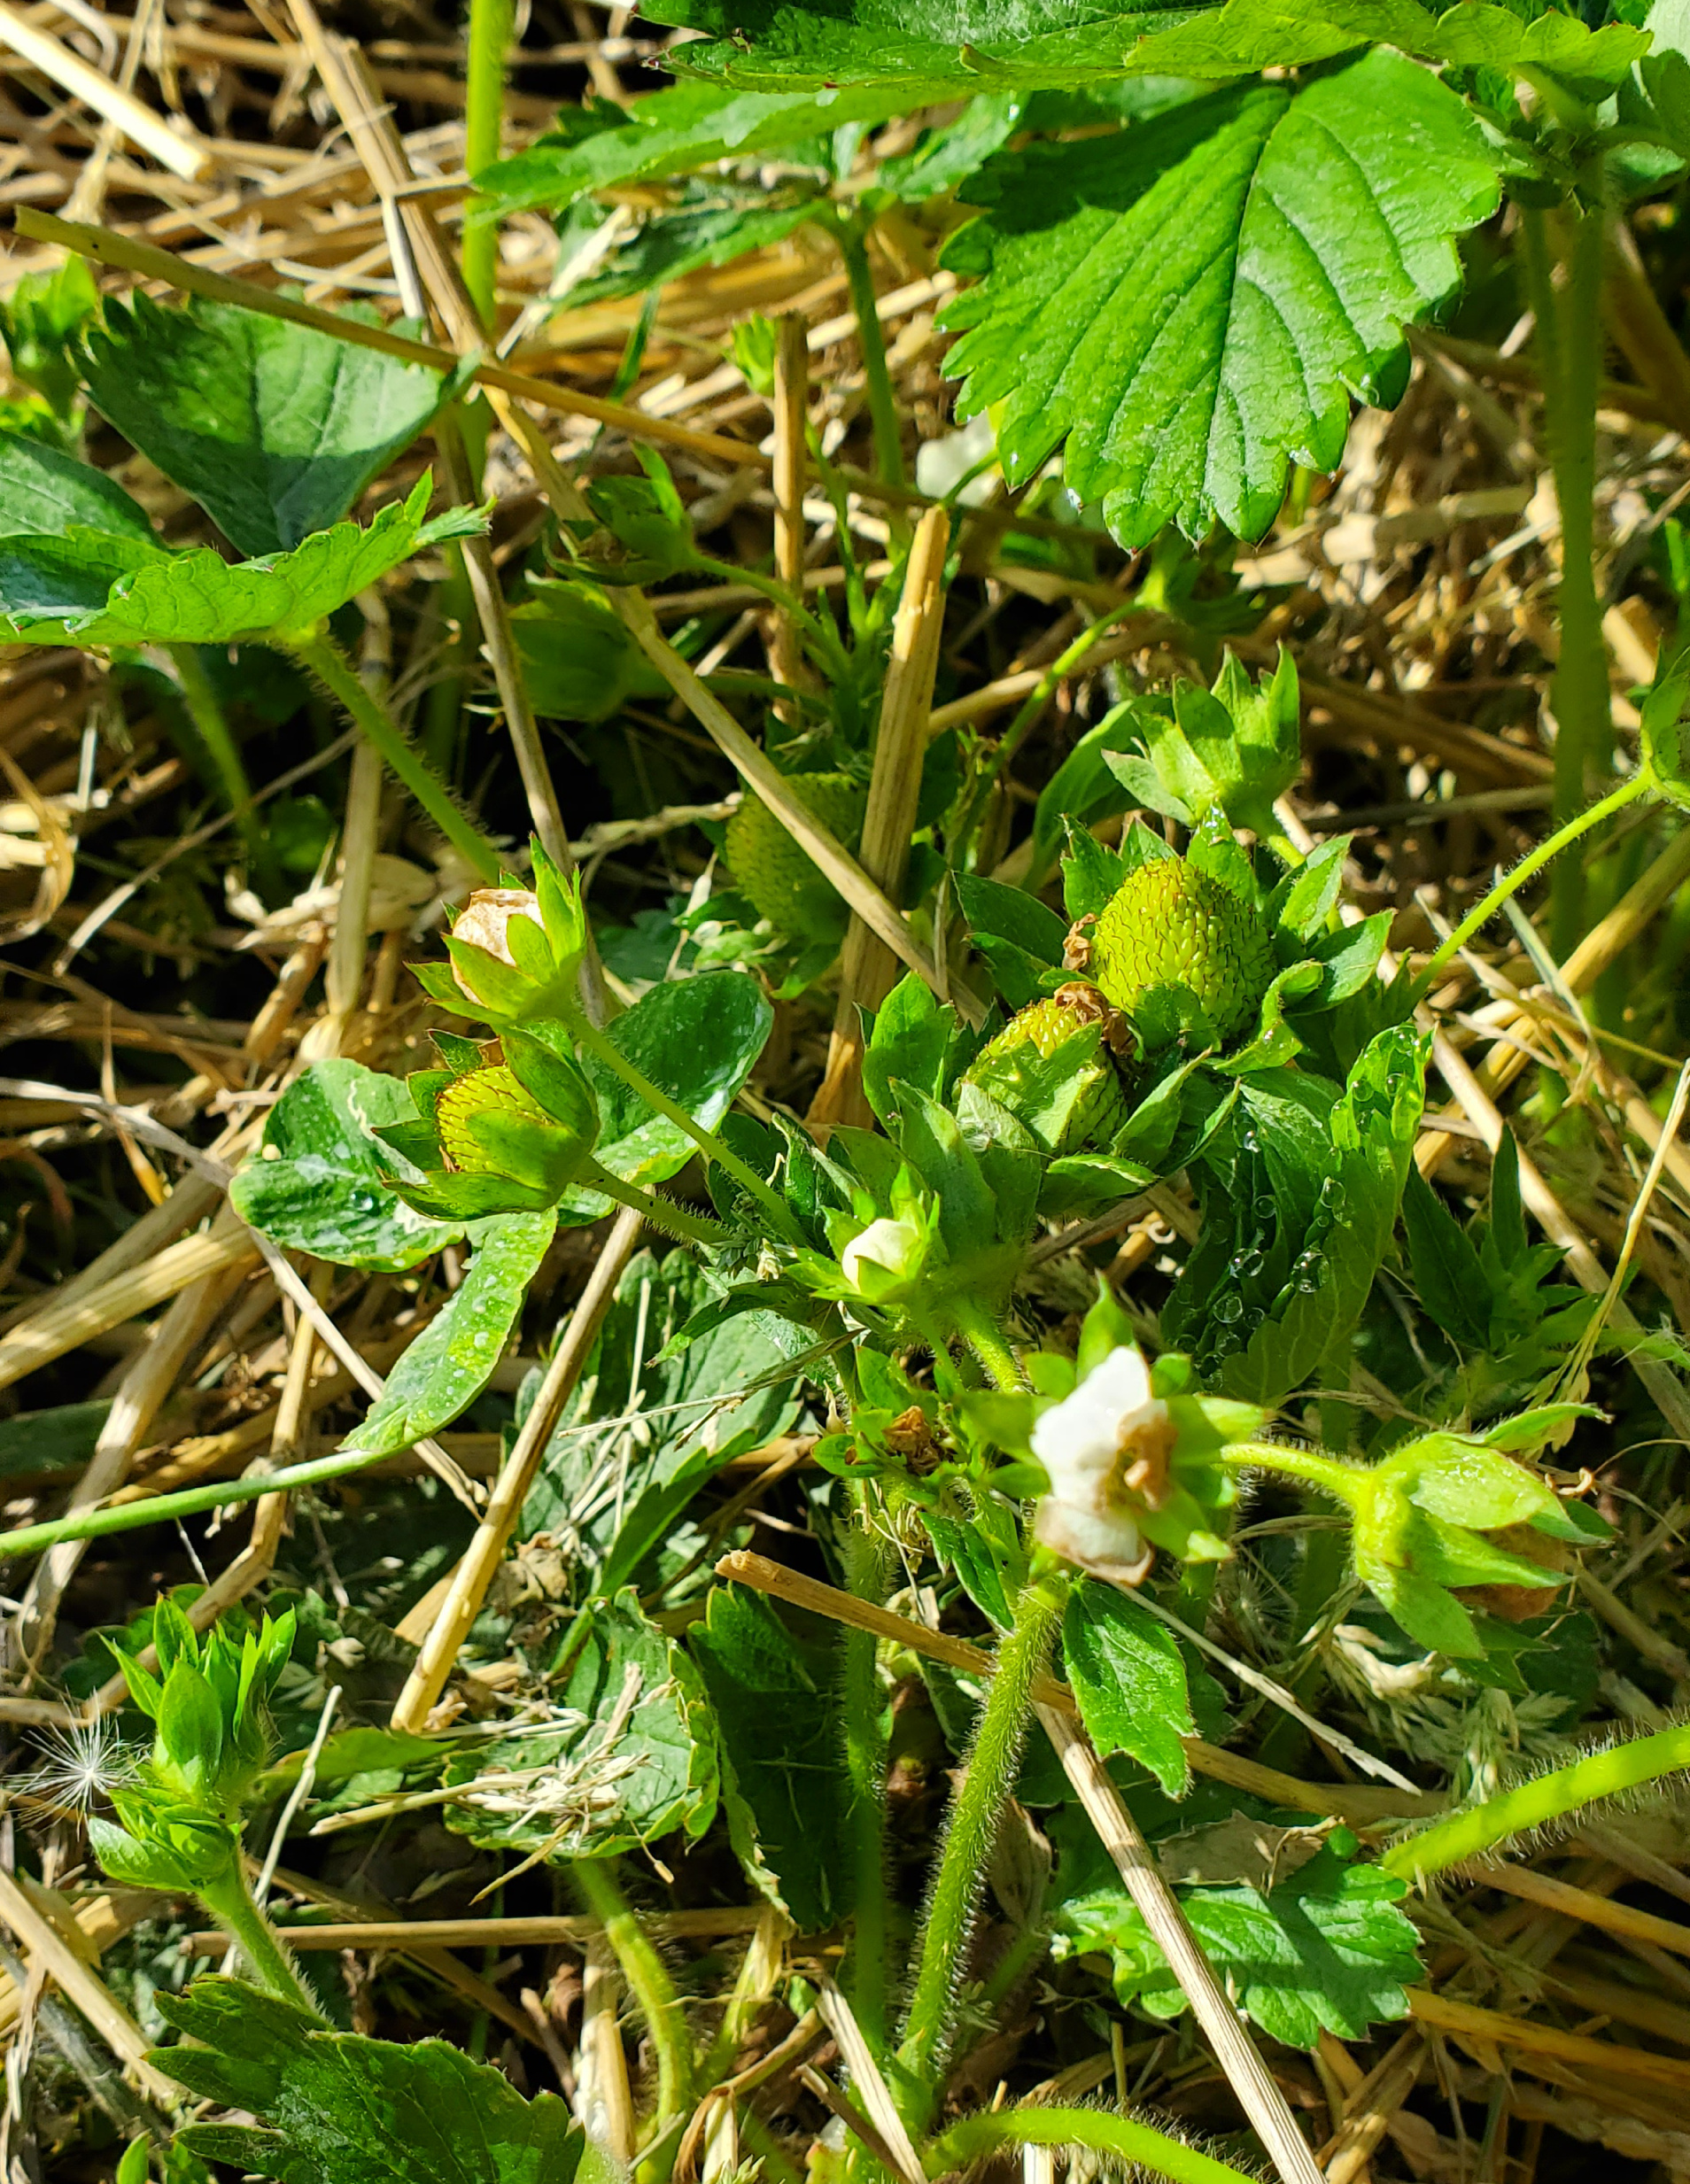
(1105, 1449)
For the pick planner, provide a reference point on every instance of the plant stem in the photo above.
(1010, 741)
(662, 1214)
(130, 1516)
(1568, 340)
(1469, 1834)
(883, 409)
(484, 115)
(976, 1814)
(833, 655)
(595, 1042)
(230, 1903)
(220, 747)
(443, 707)
(1293, 1463)
(648, 1982)
(976, 2136)
(863, 1711)
(321, 655)
(989, 1344)
(1534, 862)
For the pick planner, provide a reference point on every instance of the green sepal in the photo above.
(546, 1068)
(488, 984)
(446, 1197)
(419, 1142)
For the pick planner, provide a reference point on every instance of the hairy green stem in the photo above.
(976, 1815)
(1569, 339)
(1294, 1463)
(1640, 783)
(883, 409)
(220, 747)
(483, 116)
(663, 1213)
(320, 654)
(863, 1714)
(1158, 2155)
(231, 1904)
(989, 1344)
(1535, 1804)
(588, 1036)
(1010, 741)
(648, 1982)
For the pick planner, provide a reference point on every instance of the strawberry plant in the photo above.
(1027, 1485)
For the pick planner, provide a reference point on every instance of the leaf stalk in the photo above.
(317, 652)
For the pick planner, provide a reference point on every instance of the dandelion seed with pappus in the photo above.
(84, 1762)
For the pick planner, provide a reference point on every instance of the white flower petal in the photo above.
(1086, 1517)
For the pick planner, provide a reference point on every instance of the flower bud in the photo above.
(885, 1257)
(515, 953)
(505, 1128)
(485, 922)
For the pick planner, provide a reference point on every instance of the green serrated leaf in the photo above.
(1447, 1274)
(1190, 304)
(1361, 1177)
(335, 2108)
(783, 1751)
(316, 1184)
(199, 598)
(937, 49)
(911, 1044)
(1130, 1681)
(729, 1389)
(1327, 1950)
(274, 429)
(44, 494)
(633, 1759)
(674, 132)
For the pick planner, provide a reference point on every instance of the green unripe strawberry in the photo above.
(772, 871)
(490, 1124)
(1053, 1067)
(1178, 953)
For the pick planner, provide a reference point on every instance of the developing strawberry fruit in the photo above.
(1178, 953)
(772, 871)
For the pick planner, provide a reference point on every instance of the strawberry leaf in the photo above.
(274, 429)
(935, 49)
(673, 132)
(1326, 1950)
(43, 494)
(334, 2108)
(51, 589)
(1129, 1680)
(449, 1364)
(1190, 303)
